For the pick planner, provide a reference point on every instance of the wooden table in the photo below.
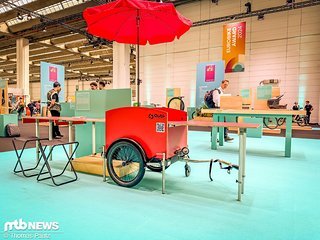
(220, 114)
(242, 142)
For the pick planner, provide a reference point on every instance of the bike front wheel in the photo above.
(301, 121)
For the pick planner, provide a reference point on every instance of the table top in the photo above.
(66, 119)
(255, 112)
(196, 123)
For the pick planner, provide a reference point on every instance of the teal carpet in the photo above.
(281, 199)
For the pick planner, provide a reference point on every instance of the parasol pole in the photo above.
(138, 57)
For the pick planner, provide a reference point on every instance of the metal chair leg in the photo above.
(69, 162)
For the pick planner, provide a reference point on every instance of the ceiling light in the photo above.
(29, 17)
(261, 17)
(248, 6)
(19, 16)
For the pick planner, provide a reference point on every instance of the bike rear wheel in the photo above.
(126, 163)
(271, 123)
(176, 103)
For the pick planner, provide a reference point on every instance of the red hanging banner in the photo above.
(53, 74)
(210, 73)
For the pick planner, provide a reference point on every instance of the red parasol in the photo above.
(136, 22)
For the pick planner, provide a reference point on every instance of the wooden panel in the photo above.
(260, 104)
(275, 92)
(93, 165)
(230, 102)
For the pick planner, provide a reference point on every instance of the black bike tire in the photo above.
(193, 115)
(301, 123)
(156, 169)
(181, 102)
(281, 121)
(267, 126)
(140, 156)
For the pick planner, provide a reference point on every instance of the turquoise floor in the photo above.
(281, 198)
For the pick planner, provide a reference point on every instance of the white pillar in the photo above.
(23, 66)
(121, 65)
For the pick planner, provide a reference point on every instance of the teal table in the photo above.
(219, 115)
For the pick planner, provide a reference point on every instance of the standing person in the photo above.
(212, 100)
(55, 107)
(295, 106)
(94, 86)
(19, 107)
(10, 105)
(38, 106)
(101, 85)
(31, 107)
(308, 107)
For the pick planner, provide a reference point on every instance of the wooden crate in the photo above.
(94, 165)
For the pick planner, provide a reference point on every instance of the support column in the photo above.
(121, 65)
(23, 66)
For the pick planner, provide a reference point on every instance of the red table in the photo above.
(70, 121)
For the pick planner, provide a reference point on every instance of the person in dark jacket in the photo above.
(308, 107)
(54, 107)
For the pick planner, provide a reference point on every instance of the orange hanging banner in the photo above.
(234, 44)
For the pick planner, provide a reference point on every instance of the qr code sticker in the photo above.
(160, 127)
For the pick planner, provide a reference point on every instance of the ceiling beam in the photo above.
(47, 56)
(33, 6)
(68, 38)
(64, 59)
(39, 51)
(53, 16)
(74, 51)
(7, 51)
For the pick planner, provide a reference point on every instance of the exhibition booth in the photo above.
(198, 138)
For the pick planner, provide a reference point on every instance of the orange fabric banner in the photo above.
(234, 45)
